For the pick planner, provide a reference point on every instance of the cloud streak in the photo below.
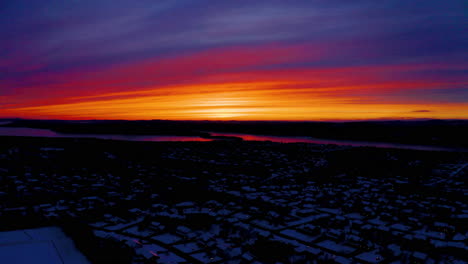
(272, 59)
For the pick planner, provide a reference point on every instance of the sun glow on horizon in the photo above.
(233, 60)
(298, 93)
(234, 101)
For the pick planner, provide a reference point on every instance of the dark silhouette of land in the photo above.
(428, 132)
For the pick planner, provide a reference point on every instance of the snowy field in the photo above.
(47, 245)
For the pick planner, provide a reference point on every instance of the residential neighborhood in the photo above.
(248, 202)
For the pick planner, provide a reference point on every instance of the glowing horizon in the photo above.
(59, 65)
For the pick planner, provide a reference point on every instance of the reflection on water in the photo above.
(26, 132)
(250, 137)
(333, 141)
(32, 132)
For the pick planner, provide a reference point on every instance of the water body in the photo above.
(33, 132)
(250, 137)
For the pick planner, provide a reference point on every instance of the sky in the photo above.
(233, 60)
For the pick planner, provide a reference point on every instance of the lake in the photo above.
(289, 139)
(33, 132)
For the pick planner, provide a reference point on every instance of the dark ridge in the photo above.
(429, 132)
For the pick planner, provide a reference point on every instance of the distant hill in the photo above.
(426, 132)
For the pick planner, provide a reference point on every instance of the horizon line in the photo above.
(245, 121)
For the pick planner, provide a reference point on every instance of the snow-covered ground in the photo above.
(210, 203)
(48, 245)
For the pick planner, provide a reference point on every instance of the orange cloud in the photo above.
(252, 104)
(233, 83)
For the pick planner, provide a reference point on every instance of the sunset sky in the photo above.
(233, 60)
